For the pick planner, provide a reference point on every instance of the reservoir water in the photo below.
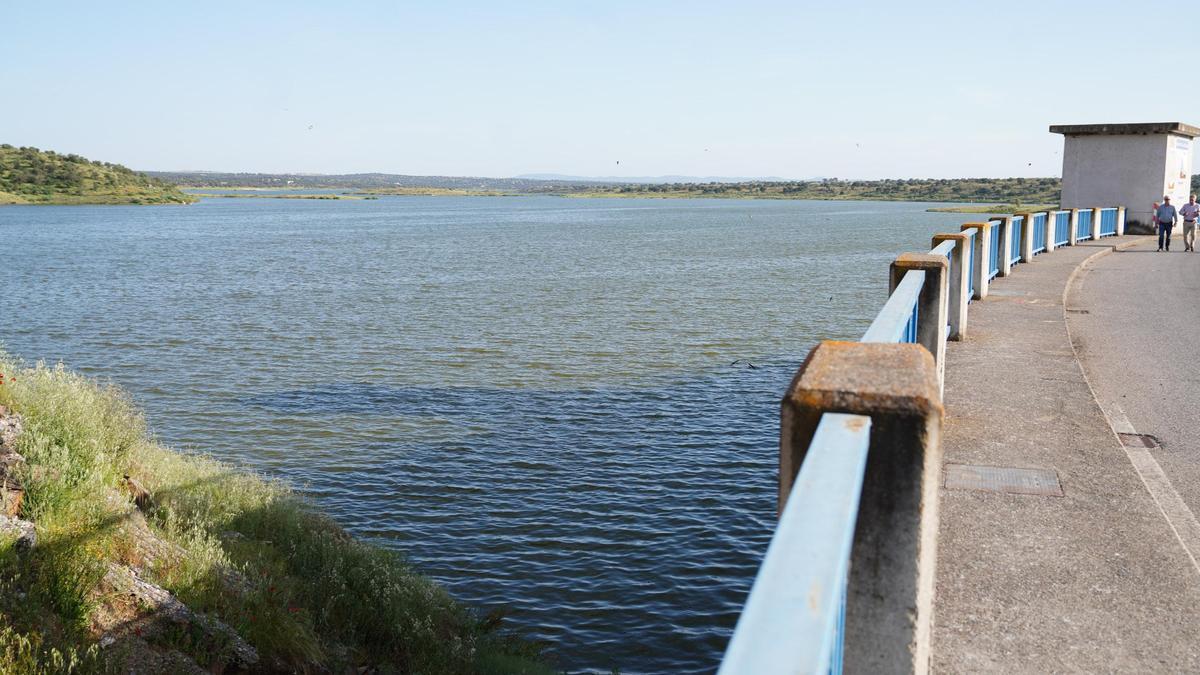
(544, 402)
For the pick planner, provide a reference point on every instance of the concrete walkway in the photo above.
(1093, 580)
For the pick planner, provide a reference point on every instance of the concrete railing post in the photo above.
(1096, 224)
(1120, 221)
(931, 305)
(982, 247)
(889, 593)
(960, 282)
(1074, 233)
(1027, 238)
(1050, 236)
(1006, 233)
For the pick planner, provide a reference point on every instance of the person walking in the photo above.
(1165, 215)
(1190, 212)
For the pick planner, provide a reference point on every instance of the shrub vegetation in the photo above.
(32, 176)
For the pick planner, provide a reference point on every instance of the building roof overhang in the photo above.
(1141, 128)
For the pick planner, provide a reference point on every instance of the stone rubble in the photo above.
(165, 609)
(23, 530)
(12, 463)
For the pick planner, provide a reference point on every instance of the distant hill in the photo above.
(656, 180)
(1009, 191)
(975, 190)
(356, 181)
(32, 176)
(982, 190)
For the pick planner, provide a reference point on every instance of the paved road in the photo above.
(1139, 343)
(1092, 579)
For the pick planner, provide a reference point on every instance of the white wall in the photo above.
(1130, 170)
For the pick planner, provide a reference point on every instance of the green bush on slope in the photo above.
(32, 176)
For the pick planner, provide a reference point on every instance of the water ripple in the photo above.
(533, 398)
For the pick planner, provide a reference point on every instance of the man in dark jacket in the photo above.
(1165, 216)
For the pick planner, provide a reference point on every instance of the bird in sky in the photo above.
(310, 127)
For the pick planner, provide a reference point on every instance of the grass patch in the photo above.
(242, 549)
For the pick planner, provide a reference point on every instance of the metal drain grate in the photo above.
(1139, 441)
(1003, 479)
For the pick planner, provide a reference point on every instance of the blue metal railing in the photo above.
(1040, 226)
(1083, 230)
(814, 551)
(1062, 228)
(1014, 244)
(994, 252)
(897, 321)
(971, 266)
(794, 618)
(945, 249)
(807, 562)
(1108, 222)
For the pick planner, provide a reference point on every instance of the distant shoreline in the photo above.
(334, 193)
(982, 191)
(7, 199)
(216, 195)
(994, 208)
(294, 193)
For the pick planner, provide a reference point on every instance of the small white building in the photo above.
(1130, 165)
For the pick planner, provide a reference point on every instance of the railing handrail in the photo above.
(889, 325)
(945, 248)
(811, 546)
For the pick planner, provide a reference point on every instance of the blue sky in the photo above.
(792, 89)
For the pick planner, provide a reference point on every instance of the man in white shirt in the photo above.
(1165, 217)
(1190, 212)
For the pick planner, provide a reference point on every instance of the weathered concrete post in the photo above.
(982, 247)
(1006, 233)
(1074, 233)
(1096, 224)
(1120, 221)
(931, 305)
(889, 595)
(1051, 217)
(1027, 237)
(960, 282)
